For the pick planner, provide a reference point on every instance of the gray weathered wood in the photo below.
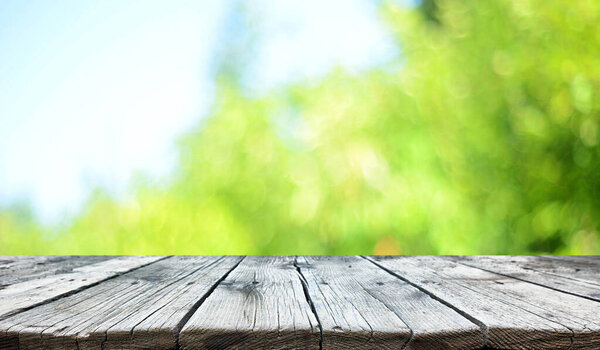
(22, 295)
(361, 306)
(261, 305)
(142, 309)
(582, 268)
(517, 314)
(197, 302)
(570, 277)
(15, 269)
(593, 259)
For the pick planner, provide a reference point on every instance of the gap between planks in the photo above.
(538, 276)
(309, 299)
(551, 319)
(297, 269)
(67, 292)
(481, 325)
(197, 305)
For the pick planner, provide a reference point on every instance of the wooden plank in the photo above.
(361, 306)
(307, 303)
(24, 295)
(16, 269)
(595, 259)
(261, 305)
(583, 268)
(142, 309)
(517, 314)
(571, 277)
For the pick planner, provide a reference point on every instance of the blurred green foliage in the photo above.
(486, 140)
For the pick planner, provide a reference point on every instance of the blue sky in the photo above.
(92, 91)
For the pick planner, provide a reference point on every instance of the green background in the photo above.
(482, 138)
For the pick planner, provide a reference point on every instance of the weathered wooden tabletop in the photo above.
(350, 302)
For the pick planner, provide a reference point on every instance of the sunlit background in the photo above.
(286, 127)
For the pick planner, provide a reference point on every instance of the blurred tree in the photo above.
(485, 141)
(508, 89)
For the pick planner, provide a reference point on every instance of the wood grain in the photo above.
(26, 294)
(361, 306)
(574, 277)
(142, 309)
(583, 268)
(261, 305)
(15, 269)
(282, 302)
(517, 314)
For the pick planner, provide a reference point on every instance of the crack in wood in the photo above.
(361, 302)
(309, 300)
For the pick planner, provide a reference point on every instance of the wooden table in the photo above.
(306, 302)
